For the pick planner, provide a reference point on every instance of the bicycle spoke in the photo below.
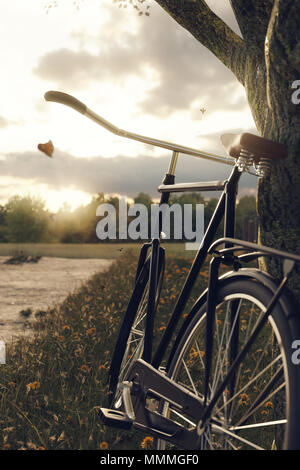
(128, 361)
(184, 418)
(199, 354)
(250, 413)
(245, 350)
(265, 395)
(250, 382)
(228, 340)
(259, 425)
(208, 438)
(190, 378)
(239, 438)
(233, 446)
(140, 335)
(248, 386)
(220, 342)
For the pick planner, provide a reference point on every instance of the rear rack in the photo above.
(236, 244)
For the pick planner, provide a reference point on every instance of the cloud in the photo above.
(4, 122)
(66, 67)
(184, 70)
(122, 175)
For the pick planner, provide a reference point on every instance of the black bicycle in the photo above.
(231, 378)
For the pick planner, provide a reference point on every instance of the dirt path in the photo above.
(38, 286)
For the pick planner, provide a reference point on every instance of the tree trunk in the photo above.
(267, 62)
(269, 90)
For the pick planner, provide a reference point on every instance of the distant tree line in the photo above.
(25, 219)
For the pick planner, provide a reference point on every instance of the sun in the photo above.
(56, 199)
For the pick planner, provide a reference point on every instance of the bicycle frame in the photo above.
(225, 208)
(144, 379)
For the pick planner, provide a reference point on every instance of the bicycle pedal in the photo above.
(114, 418)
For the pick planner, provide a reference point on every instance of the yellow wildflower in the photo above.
(90, 331)
(147, 443)
(245, 396)
(33, 386)
(85, 368)
(103, 445)
(243, 403)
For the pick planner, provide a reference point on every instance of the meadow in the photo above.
(54, 382)
(84, 250)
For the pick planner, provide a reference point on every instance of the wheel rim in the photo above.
(229, 428)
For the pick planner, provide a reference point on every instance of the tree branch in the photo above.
(253, 18)
(196, 17)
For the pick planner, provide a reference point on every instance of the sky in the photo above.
(145, 74)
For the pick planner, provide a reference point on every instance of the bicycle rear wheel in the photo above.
(259, 409)
(130, 342)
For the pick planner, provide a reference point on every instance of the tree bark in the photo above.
(266, 61)
(279, 195)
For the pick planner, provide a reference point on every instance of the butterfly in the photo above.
(202, 110)
(47, 148)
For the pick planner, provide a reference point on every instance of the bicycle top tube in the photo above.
(69, 100)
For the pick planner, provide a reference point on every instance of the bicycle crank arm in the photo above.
(150, 383)
(150, 390)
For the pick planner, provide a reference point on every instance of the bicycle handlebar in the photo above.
(68, 100)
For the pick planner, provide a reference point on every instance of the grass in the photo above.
(54, 382)
(80, 250)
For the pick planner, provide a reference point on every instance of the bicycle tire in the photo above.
(134, 316)
(281, 407)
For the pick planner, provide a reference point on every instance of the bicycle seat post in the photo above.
(173, 163)
(230, 203)
(168, 179)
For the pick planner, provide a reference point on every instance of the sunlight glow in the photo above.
(115, 91)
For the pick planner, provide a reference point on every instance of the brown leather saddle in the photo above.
(259, 147)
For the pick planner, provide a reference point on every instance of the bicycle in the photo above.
(229, 380)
